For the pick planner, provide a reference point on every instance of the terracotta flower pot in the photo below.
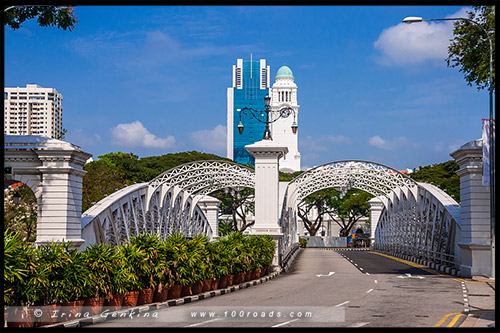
(130, 299)
(94, 305)
(160, 296)
(145, 296)
(69, 310)
(248, 276)
(257, 273)
(174, 291)
(22, 318)
(215, 284)
(197, 288)
(230, 279)
(186, 290)
(263, 271)
(114, 303)
(223, 282)
(207, 285)
(49, 315)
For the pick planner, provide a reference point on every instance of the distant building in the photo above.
(33, 110)
(250, 86)
(284, 94)
(251, 83)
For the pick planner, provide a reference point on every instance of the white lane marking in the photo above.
(376, 281)
(361, 268)
(342, 303)
(369, 291)
(367, 273)
(286, 322)
(203, 322)
(359, 324)
(329, 274)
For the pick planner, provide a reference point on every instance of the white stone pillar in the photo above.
(474, 211)
(60, 208)
(267, 154)
(376, 207)
(210, 207)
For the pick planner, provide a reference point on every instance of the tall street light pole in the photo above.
(412, 19)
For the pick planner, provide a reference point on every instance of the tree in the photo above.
(344, 211)
(47, 16)
(238, 204)
(349, 210)
(470, 48)
(322, 202)
(443, 175)
(21, 218)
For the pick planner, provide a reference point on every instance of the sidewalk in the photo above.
(481, 297)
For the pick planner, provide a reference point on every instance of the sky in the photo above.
(153, 80)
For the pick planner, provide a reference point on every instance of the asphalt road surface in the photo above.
(326, 288)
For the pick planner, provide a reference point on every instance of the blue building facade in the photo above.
(250, 86)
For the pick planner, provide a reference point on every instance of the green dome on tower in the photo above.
(284, 72)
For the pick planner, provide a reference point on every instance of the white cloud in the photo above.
(377, 141)
(136, 135)
(213, 141)
(398, 142)
(417, 42)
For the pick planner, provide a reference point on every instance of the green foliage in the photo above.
(470, 48)
(287, 177)
(47, 16)
(443, 175)
(302, 242)
(238, 204)
(98, 261)
(56, 273)
(344, 211)
(19, 266)
(21, 218)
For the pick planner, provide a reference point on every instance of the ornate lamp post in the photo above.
(281, 113)
(412, 19)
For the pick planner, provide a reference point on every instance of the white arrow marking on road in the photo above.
(408, 275)
(329, 274)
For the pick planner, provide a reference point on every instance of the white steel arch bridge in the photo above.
(176, 200)
(414, 218)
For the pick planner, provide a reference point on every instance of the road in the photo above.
(326, 288)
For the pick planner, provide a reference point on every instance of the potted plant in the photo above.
(133, 259)
(24, 280)
(75, 280)
(201, 262)
(56, 260)
(150, 272)
(99, 263)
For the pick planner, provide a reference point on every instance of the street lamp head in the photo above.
(412, 19)
(240, 128)
(294, 127)
(267, 100)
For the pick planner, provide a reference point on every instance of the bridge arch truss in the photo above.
(176, 200)
(417, 219)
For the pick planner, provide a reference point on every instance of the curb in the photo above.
(437, 267)
(161, 305)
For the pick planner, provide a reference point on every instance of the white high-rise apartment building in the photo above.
(33, 110)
